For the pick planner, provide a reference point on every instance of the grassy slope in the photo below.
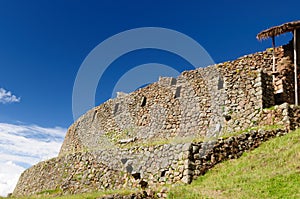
(270, 171)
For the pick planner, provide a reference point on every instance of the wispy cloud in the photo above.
(7, 97)
(22, 146)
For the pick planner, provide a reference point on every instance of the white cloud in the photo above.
(8, 97)
(22, 146)
(9, 175)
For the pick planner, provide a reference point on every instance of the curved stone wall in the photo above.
(204, 102)
(151, 136)
(136, 167)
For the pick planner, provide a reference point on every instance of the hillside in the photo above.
(270, 171)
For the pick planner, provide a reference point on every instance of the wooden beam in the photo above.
(295, 67)
(274, 61)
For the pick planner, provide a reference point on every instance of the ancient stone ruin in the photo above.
(175, 129)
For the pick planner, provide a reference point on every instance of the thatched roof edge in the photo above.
(278, 30)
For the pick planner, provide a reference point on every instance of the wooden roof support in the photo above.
(278, 30)
(295, 67)
(273, 68)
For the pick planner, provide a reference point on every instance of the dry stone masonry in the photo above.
(173, 130)
(200, 103)
(136, 167)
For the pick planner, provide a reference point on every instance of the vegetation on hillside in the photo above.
(270, 171)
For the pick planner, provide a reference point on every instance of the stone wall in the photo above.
(204, 102)
(281, 116)
(115, 169)
(248, 89)
(120, 143)
(191, 105)
(207, 154)
(144, 167)
(284, 81)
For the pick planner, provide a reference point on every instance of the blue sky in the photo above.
(43, 44)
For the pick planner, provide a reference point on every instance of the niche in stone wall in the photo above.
(163, 173)
(220, 83)
(143, 101)
(173, 81)
(129, 168)
(278, 98)
(143, 184)
(136, 176)
(116, 108)
(94, 115)
(177, 92)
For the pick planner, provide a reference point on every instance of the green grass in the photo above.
(50, 192)
(270, 108)
(270, 171)
(189, 139)
(265, 127)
